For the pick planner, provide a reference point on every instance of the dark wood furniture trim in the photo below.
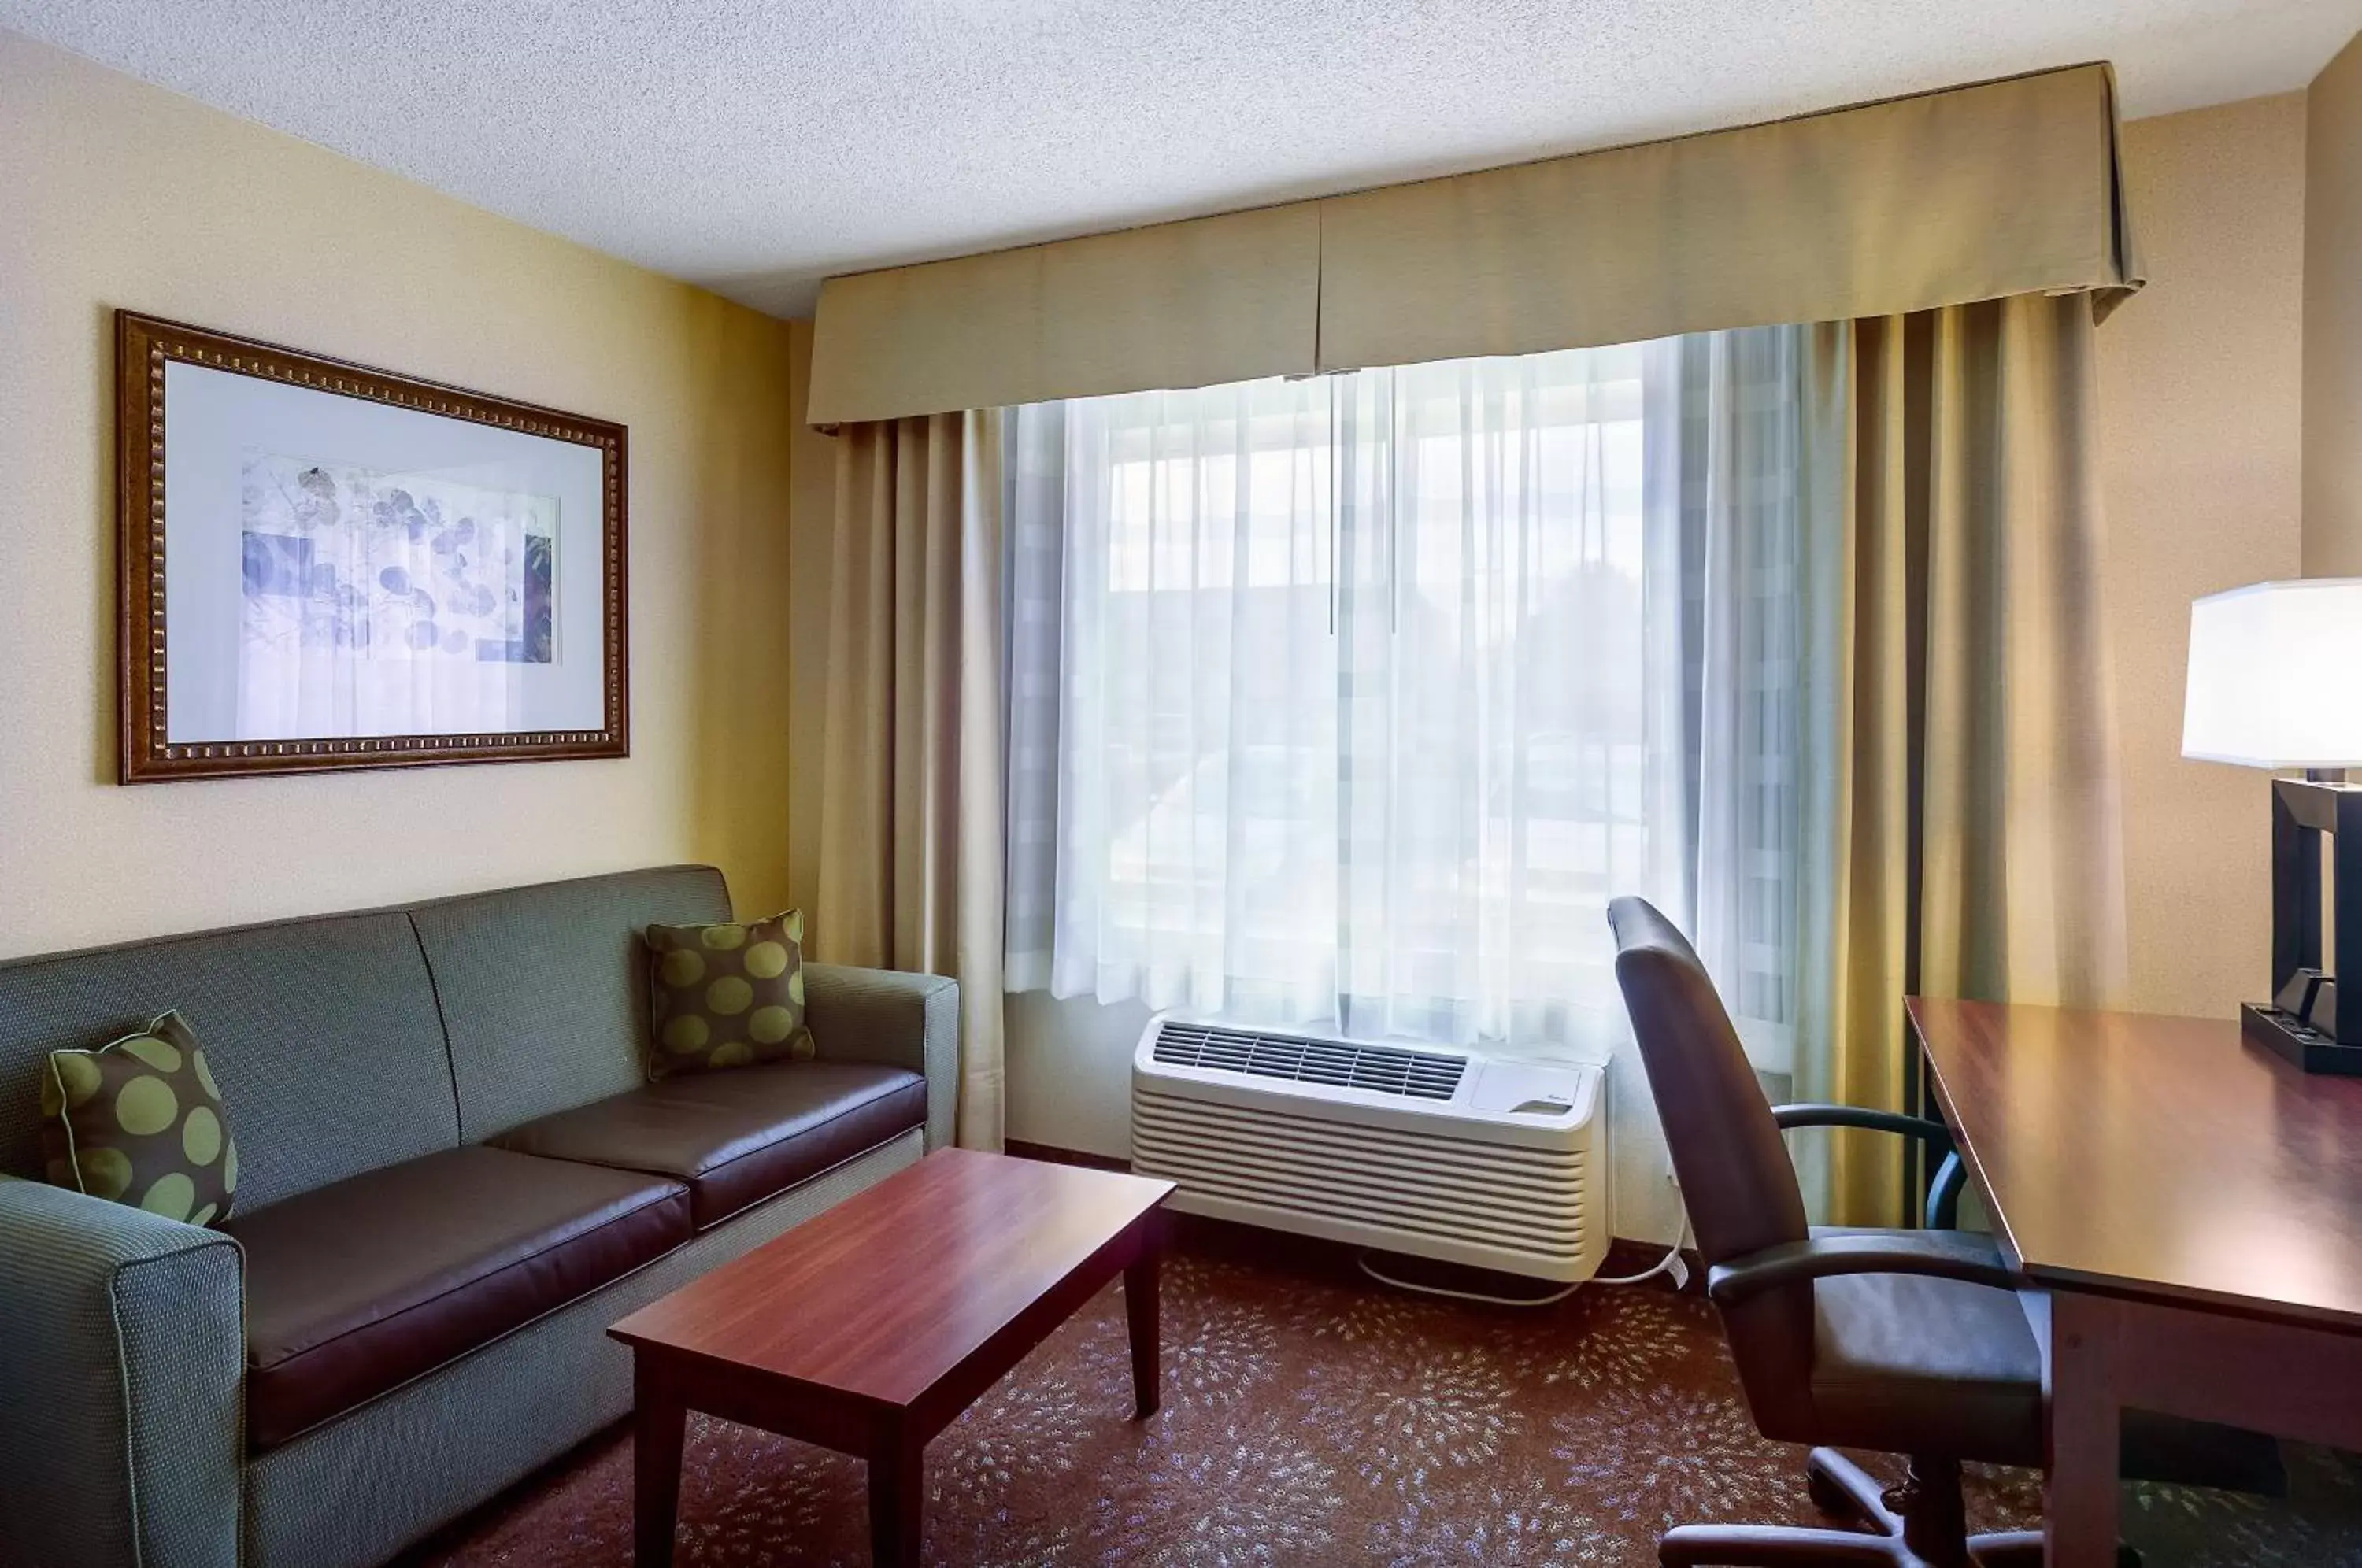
(659, 1432)
(671, 1378)
(2166, 1159)
(144, 346)
(2135, 1167)
(2111, 1354)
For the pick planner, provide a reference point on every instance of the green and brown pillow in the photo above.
(139, 1122)
(727, 996)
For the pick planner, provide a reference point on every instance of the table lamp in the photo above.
(2276, 682)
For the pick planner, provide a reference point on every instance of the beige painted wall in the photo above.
(2200, 432)
(115, 194)
(2332, 319)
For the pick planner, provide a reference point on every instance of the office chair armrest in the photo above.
(1790, 1117)
(1943, 1193)
(1939, 1254)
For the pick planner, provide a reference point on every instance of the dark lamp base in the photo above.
(2289, 1037)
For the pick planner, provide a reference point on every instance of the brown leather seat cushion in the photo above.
(358, 1286)
(737, 1137)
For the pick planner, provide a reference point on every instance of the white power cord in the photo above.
(1671, 1266)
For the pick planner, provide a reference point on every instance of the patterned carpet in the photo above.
(1312, 1416)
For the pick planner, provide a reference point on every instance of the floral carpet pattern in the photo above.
(1313, 1417)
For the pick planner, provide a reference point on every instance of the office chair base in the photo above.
(1919, 1524)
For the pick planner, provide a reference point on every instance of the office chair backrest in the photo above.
(1734, 1170)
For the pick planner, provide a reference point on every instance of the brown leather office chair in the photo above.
(1909, 1342)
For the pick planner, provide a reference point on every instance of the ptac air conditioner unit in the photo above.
(1435, 1153)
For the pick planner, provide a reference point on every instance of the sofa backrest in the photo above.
(344, 1043)
(322, 1034)
(546, 988)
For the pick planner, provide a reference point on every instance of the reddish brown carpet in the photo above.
(1311, 1417)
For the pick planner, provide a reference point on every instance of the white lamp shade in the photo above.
(2276, 675)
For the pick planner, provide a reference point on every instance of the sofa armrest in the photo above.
(123, 1361)
(897, 1019)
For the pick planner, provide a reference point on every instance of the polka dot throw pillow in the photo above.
(727, 996)
(139, 1122)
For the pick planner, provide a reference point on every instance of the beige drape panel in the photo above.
(1965, 773)
(911, 788)
(1180, 304)
(2004, 188)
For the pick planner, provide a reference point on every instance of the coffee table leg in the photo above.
(898, 1496)
(1139, 1312)
(659, 1426)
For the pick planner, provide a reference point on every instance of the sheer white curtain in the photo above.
(1355, 700)
(1174, 699)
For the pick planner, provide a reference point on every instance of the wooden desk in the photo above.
(2192, 1203)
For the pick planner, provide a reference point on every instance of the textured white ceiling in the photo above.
(755, 146)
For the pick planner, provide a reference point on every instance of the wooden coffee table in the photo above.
(869, 1327)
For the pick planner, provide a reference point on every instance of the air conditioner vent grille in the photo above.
(1381, 1069)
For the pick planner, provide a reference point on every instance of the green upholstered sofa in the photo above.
(453, 1177)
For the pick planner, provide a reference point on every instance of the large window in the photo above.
(1356, 699)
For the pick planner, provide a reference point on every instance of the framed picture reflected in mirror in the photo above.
(325, 566)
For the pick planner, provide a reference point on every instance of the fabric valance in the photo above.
(2002, 188)
(1179, 304)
